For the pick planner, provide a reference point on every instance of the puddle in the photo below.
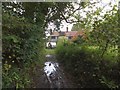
(50, 68)
(48, 56)
(54, 73)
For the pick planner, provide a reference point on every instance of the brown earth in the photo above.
(40, 79)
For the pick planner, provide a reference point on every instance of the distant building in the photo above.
(52, 42)
(54, 36)
(70, 34)
(62, 33)
(80, 33)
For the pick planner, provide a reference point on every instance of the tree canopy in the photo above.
(24, 25)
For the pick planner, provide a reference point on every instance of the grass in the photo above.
(61, 39)
(50, 51)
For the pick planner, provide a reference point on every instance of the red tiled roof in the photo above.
(71, 33)
(55, 34)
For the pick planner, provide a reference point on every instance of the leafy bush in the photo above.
(22, 46)
(14, 77)
(86, 66)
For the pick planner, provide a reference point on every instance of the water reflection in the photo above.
(53, 73)
(48, 55)
(50, 68)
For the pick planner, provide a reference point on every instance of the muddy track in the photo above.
(51, 75)
(55, 74)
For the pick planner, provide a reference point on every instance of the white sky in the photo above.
(103, 3)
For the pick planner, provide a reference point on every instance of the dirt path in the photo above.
(52, 75)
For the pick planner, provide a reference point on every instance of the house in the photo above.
(62, 33)
(70, 34)
(79, 34)
(54, 36)
(52, 42)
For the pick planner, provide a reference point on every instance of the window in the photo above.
(53, 37)
(69, 37)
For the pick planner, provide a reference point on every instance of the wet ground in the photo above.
(55, 74)
(52, 75)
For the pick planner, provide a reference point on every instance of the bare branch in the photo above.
(66, 18)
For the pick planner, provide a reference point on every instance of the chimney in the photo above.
(66, 29)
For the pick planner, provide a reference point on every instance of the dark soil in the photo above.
(40, 78)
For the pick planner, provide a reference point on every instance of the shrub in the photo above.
(84, 64)
(22, 46)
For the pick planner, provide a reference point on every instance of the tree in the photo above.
(23, 27)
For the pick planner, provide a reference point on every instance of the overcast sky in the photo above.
(103, 3)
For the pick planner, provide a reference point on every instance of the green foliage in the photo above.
(20, 38)
(76, 27)
(22, 45)
(79, 40)
(14, 77)
(95, 62)
(109, 84)
(50, 51)
(84, 64)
